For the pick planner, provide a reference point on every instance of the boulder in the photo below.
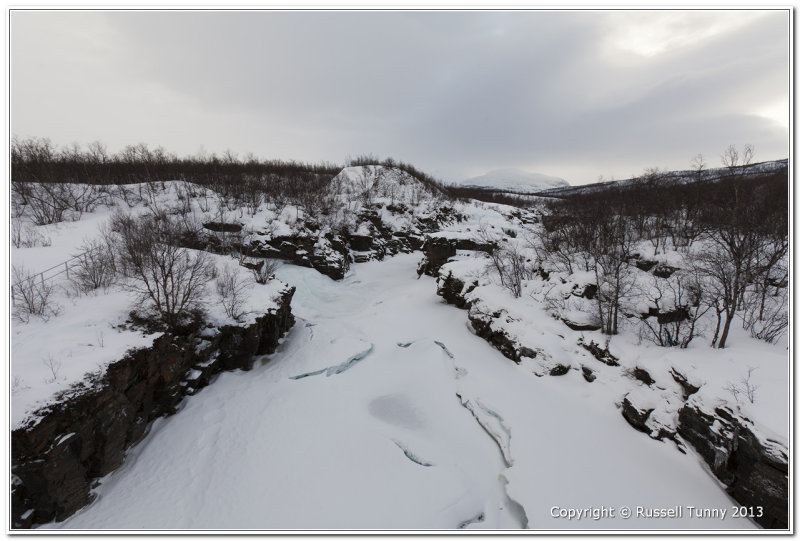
(642, 375)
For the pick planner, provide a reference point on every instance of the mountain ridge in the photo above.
(514, 180)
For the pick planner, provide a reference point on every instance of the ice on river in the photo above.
(380, 436)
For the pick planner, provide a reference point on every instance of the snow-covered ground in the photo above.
(88, 330)
(381, 410)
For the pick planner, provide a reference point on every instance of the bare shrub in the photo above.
(768, 321)
(745, 387)
(169, 278)
(26, 236)
(18, 384)
(31, 296)
(95, 266)
(231, 289)
(48, 203)
(265, 271)
(55, 368)
(513, 267)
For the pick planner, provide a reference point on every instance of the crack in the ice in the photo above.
(411, 456)
(444, 348)
(494, 425)
(480, 517)
(339, 368)
(514, 507)
(404, 344)
(501, 437)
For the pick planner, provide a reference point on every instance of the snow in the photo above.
(51, 356)
(381, 409)
(515, 180)
(390, 442)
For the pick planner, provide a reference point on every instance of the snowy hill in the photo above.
(515, 180)
(673, 177)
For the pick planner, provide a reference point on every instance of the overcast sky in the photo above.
(574, 94)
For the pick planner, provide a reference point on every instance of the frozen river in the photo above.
(381, 410)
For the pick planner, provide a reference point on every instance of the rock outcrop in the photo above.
(379, 230)
(438, 249)
(58, 455)
(753, 467)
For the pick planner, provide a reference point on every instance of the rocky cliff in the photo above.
(67, 446)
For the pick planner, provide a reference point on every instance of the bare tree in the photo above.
(612, 251)
(170, 278)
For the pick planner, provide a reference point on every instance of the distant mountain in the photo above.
(515, 180)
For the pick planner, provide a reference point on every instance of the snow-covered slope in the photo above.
(515, 180)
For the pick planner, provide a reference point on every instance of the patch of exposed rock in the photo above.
(753, 466)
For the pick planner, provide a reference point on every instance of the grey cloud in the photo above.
(456, 93)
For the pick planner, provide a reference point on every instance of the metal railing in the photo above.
(47, 274)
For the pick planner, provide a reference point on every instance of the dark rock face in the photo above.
(664, 271)
(643, 375)
(451, 289)
(85, 434)
(330, 253)
(601, 354)
(482, 323)
(680, 313)
(580, 326)
(680, 379)
(361, 243)
(645, 264)
(223, 227)
(438, 250)
(559, 370)
(636, 417)
(587, 292)
(588, 374)
(755, 469)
